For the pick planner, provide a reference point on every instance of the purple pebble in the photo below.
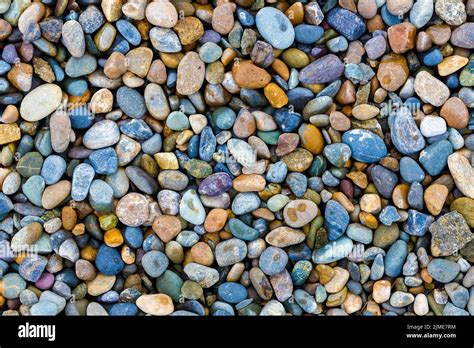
(215, 184)
(45, 282)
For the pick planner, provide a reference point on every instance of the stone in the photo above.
(40, 102)
(430, 89)
(275, 27)
(449, 234)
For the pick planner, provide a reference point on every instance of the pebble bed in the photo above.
(236, 158)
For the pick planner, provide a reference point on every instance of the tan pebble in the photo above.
(102, 101)
(455, 112)
(381, 291)
(202, 254)
(223, 18)
(69, 218)
(245, 124)
(166, 227)
(190, 73)
(365, 111)
(161, 13)
(249, 183)
(215, 220)
(339, 121)
(435, 196)
(55, 194)
(370, 203)
(155, 304)
(157, 72)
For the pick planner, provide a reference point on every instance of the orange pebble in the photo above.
(113, 238)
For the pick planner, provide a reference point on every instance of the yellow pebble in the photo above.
(89, 253)
(171, 60)
(113, 238)
(368, 220)
(451, 64)
(128, 255)
(166, 160)
(275, 95)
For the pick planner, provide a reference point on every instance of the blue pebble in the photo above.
(301, 271)
(110, 296)
(395, 258)
(123, 309)
(277, 172)
(435, 157)
(365, 146)
(76, 87)
(172, 78)
(32, 267)
(388, 18)
(136, 129)
(120, 45)
(232, 292)
(68, 276)
(57, 70)
(298, 182)
(224, 117)
(299, 252)
(53, 169)
(337, 154)
(109, 261)
(81, 180)
(133, 237)
(331, 89)
(253, 97)
(432, 57)
(242, 231)
(350, 25)
(417, 223)
(336, 219)
(308, 34)
(186, 107)
(415, 196)
(384, 180)
(452, 81)
(4, 67)
(315, 183)
(131, 102)
(81, 117)
(245, 17)
(273, 260)
(299, 97)
(207, 144)
(104, 161)
(287, 120)
(410, 170)
(129, 32)
(193, 146)
(377, 269)
(442, 270)
(389, 215)
(152, 145)
(329, 179)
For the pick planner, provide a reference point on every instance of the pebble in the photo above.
(40, 102)
(365, 146)
(430, 89)
(443, 270)
(275, 27)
